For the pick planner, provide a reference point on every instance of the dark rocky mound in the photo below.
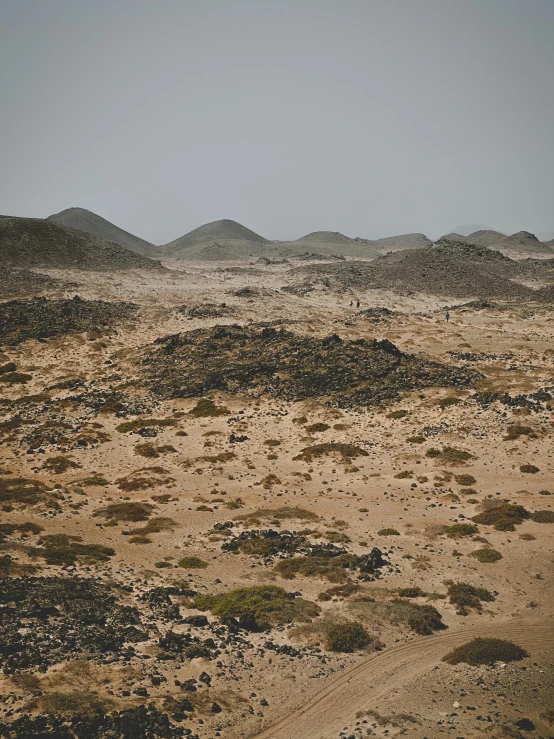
(64, 618)
(205, 310)
(546, 294)
(16, 283)
(224, 230)
(33, 242)
(446, 268)
(85, 220)
(142, 722)
(292, 367)
(41, 318)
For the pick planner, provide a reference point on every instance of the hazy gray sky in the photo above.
(370, 117)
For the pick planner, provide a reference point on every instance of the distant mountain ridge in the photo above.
(91, 223)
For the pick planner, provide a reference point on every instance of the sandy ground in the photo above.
(321, 695)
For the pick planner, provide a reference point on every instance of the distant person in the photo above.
(357, 304)
(447, 316)
(351, 303)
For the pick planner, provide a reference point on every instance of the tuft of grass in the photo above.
(397, 414)
(404, 475)
(415, 592)
(503, 517)
(416, 439)
(447, 402)
(529, 469)
(332, 569)
(59, 465)
(346, 451)
(126, 511)
(192, 563)
(61, 549)
(465, 480)
(269, 604)
(154, 526)
(463, 596)
(7, 529)
(542, 516)
(277, 514)
(485, 651)
(339, 591)
(388, 532)
(450, 455)
(516, 430)
(316, 428)
(151, 451)
(143, 423)
(347, 638)
(486, 555)
(459, 530)
(206, 408)
(423, 619)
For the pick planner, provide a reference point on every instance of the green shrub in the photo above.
(486, 555)
(268, 604)
(126, 511)
(324, 568)
(464, 596)
(543, 516)
(397, 414)
(416, 439)
(450, 455)
(206, 408)
(315, 428)
(388, 532)
(404, 475)
(503, 517)
(458, 530)
(415, 592)
(423, 619)
(465, 479)
(516, 430)
(348, 637)
(481, 651)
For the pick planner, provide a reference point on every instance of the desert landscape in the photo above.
(256, 488)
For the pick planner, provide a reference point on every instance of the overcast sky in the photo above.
(369, 117)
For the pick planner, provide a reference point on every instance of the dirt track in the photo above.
(324, 716)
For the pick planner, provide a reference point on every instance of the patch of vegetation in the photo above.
(404, 475)
(463, 596)
(529, 469)
(139, 481)
(8, 529)
(503, 517)
(272, 442)
(25, 492)
(144, 423)
(269, 604)
(458, 530)
(423, 619)
(416, 439)
(486, 555)
(59, 465)
(449, 455)
(151, 451)
(447, 402)
(485, 651)
(348, 637)
(339, 591)
(126, 511)
(64, 550)
(192, 563)
(465, 479)
(337, 537)
(15, 378)
(323, 568)
(346, 451)
(206, 408)
(516, 430)
(415, 592)
(316, 428)
(154, 526)
(397, 414)
(542, 516)
(277, 514)
(388, 532)
(93, 480)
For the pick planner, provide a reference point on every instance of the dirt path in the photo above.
(360, 688)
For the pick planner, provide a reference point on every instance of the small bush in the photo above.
(415, 592)
(503, 517)
(397, 414)
(416, 439)
(324, 568)
(529, 469)
(347, 638)
(543, 516)
(59, 465)
(126, 511)
(315, 428)
(516, 430)
(388, 532)
(481, 651)
(339, 591)
(206, 408)
(60, 549)
(464, 596)
(277, 514)
(465, 479)
(486, 555)
(142, 423)
(192, 563)
(449, 455)
(458, 530)
(423, 619)
(268, 604)
(154, 526)
(447, 402)
(404, 475)
(272, 442)
(346, 451)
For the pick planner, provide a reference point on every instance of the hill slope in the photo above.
(523, 242)
(403, 241)
(214, 232)
(85, 220)
(33, 242)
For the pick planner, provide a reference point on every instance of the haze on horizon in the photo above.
(368, 117)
